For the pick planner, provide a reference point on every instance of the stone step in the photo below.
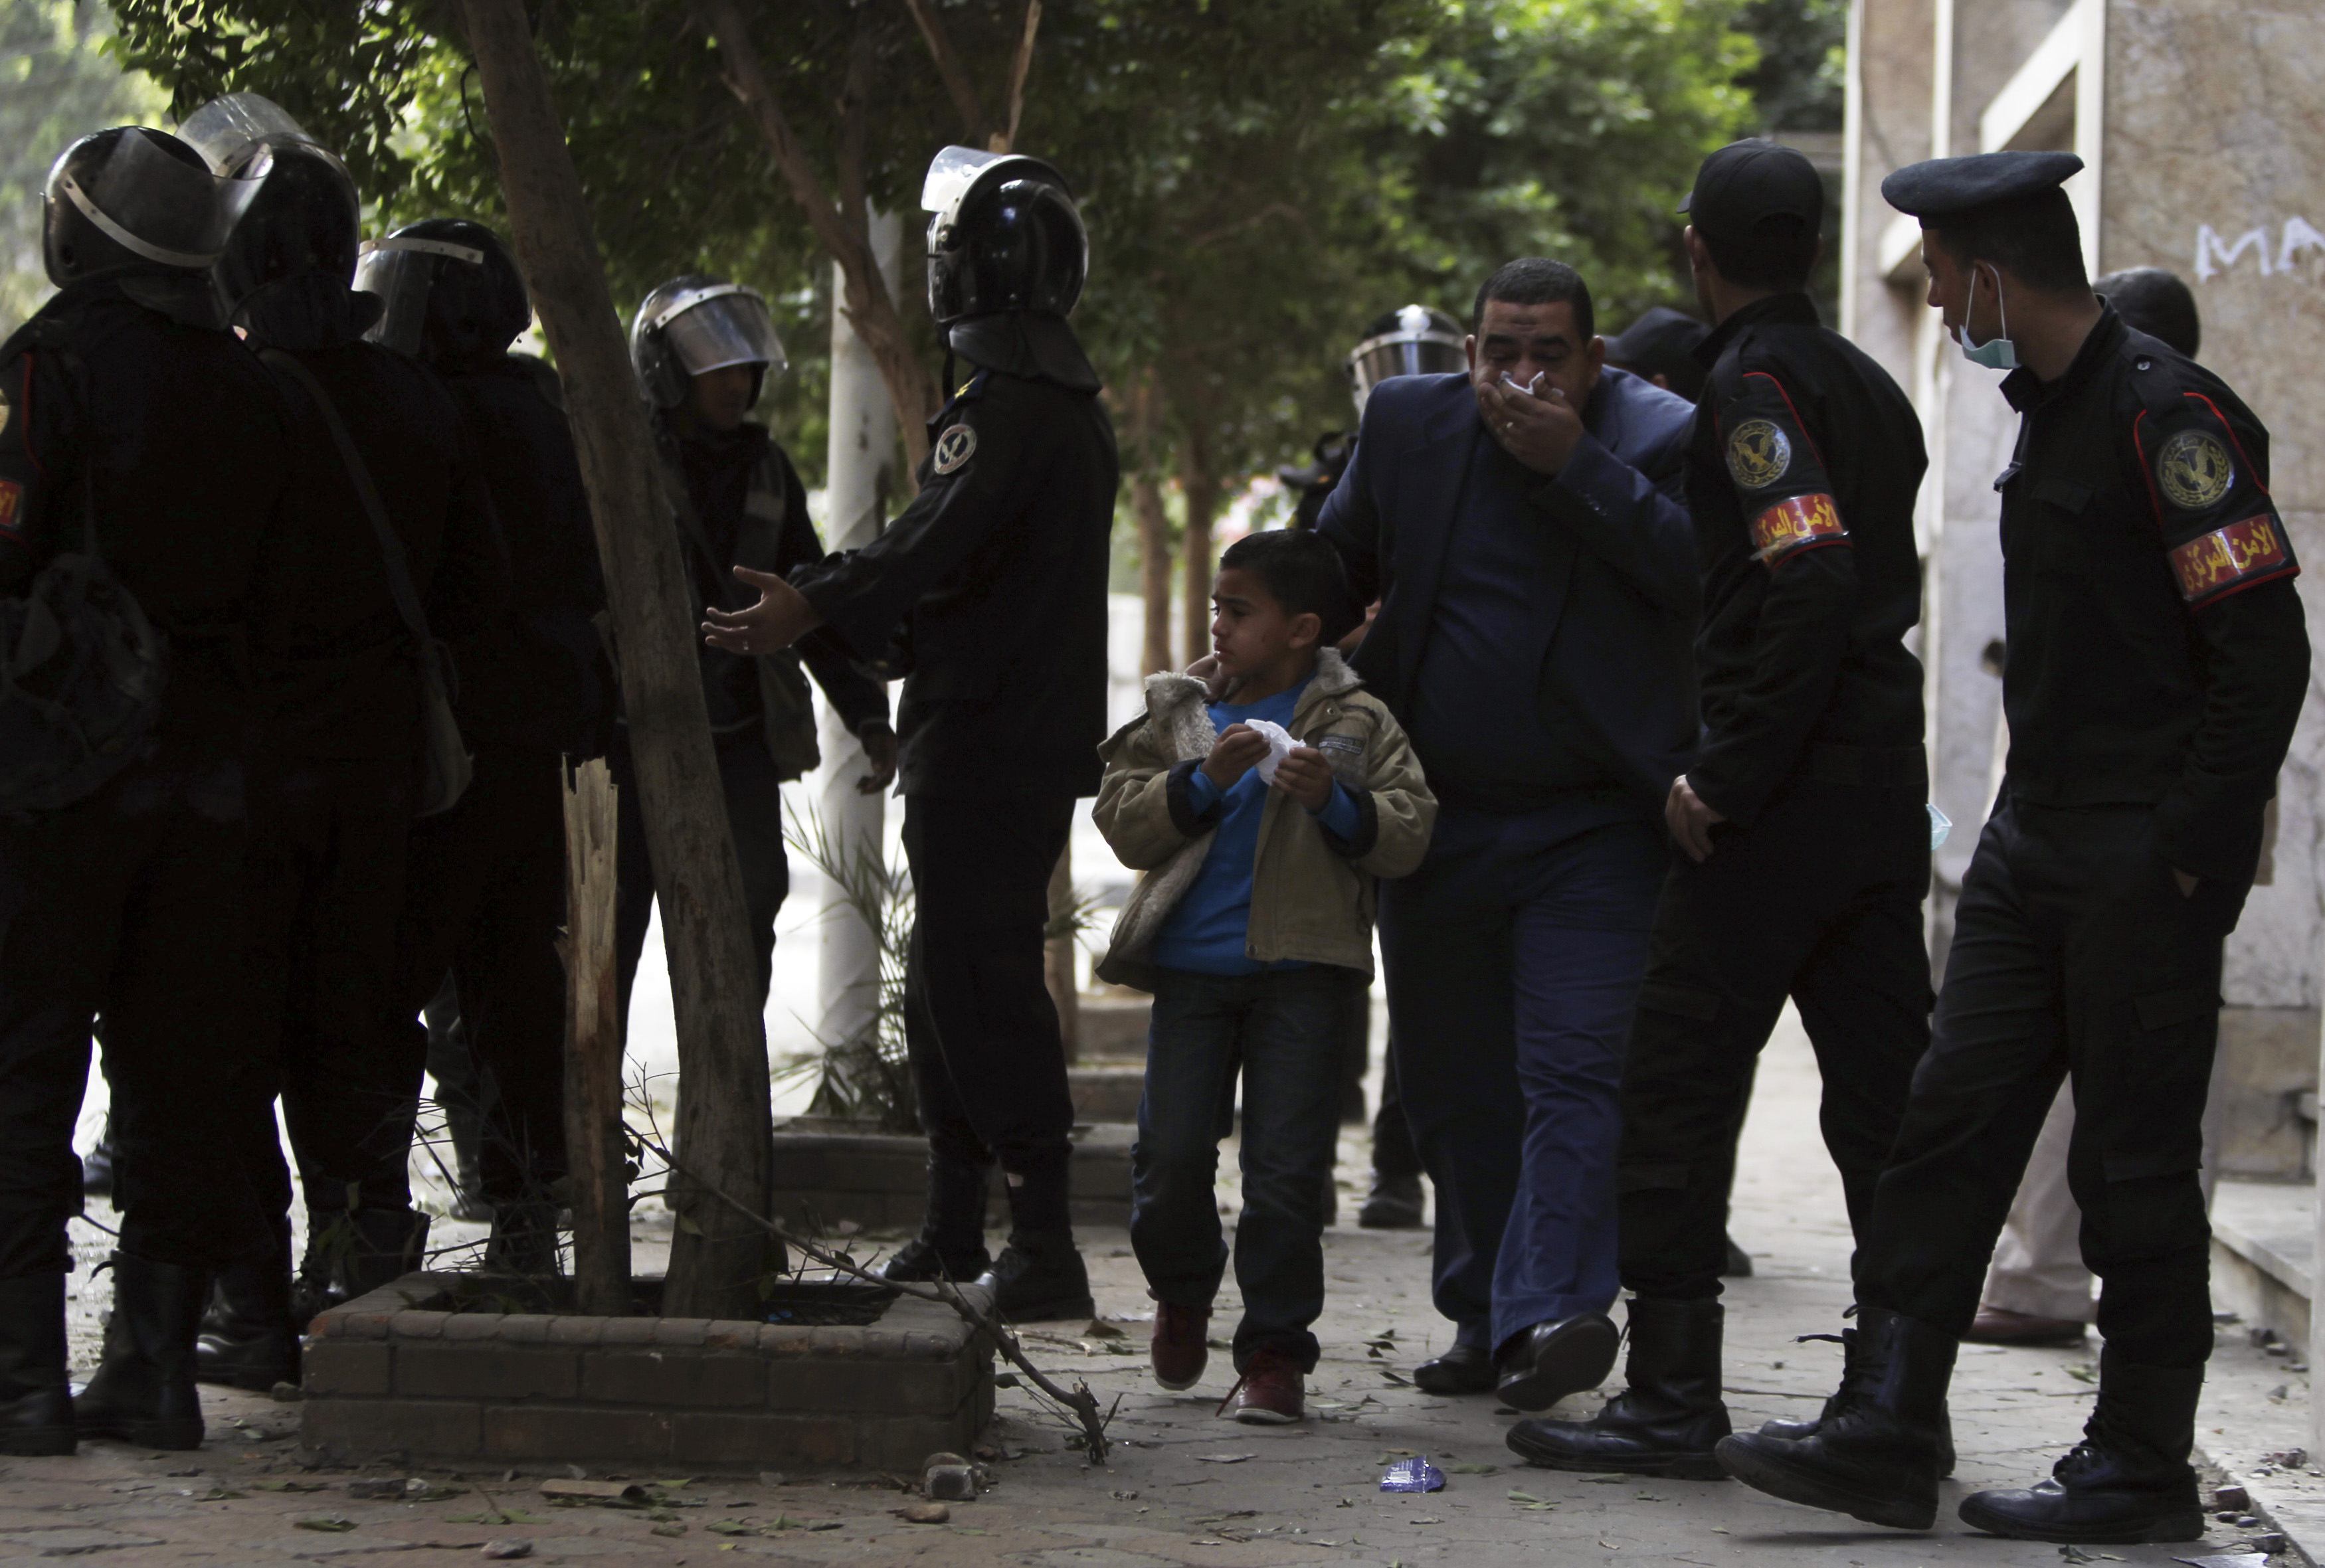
(2264, 1255)
(828, 1172)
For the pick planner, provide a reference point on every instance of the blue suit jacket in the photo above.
(1625, 595)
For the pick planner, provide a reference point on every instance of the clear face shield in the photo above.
(231, 131)
(1420, 352)
(154, 206)
(720, 325)
(402, 272)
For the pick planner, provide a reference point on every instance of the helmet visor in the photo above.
(951, 173)
(228, 132)
(1401, 354)
(156, 207)
(716, 326)
(402, 272)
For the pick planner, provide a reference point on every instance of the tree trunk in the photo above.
(1201, 488)
(717, 1258)
(596, 1155)
(860, 463)
(1154, 523)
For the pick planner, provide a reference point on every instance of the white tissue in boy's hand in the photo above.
(1279, 746)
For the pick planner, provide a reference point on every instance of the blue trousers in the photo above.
(1513, 956)
(1285, 1031)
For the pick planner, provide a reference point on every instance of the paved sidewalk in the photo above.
(1184, 1488)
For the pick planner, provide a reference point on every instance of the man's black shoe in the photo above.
(142, 1390)
(1796, 1430)
(1552, 1360)
(1394, 1204)
(1874, 1456)
(1666, 1421)
(1038, 1279)
(2127, 1482)
(918, 1261)
(1464, 1369)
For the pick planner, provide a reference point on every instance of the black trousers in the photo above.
(130, 904)
(755, 817)
(2074, 954)
(987, 1059)
(486, 906)
(1818, 901)
(1393, 1154)
(327, 871)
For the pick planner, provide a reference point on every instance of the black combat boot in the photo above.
(2127, 1482)
(1666, 1421)
(1846, 1340)
(247, 1338)
(1040, 1275)
(352, 1252)
(1873, 1455)
(143, 1391)
(36, 1412)
(951, 1242)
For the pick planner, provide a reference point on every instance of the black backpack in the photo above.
(82, 672)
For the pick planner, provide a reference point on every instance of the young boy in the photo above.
(1256, 901)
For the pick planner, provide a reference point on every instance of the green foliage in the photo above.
(57, 83)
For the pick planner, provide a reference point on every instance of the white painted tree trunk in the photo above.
(862, 479)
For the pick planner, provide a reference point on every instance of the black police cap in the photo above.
(1746, 182)
(1659, 337)
(1938, 189)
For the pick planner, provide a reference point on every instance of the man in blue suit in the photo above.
(1521, 527)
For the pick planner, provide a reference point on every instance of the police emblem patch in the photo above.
(953, 449)
(12, 497)
(1758, 452)
(2194, 470)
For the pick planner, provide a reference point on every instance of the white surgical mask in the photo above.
(1996, 353)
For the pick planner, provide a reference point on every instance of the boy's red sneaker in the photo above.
(1178, 1350)
(1269, 1393)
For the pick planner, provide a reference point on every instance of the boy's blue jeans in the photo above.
(1284, 1029)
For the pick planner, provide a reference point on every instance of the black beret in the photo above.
(1938, 189)
(1657, 339)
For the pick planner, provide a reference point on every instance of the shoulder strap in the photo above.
(689, 525)
(390, 543)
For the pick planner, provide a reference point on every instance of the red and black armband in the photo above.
(1778, 474)
(2220, 531)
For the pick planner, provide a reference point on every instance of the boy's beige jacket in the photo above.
(1311, 895)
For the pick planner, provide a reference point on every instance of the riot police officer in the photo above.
(705, 350)
(487, 882)
(1801, 821)
(2158, 661)
(137, 434)
(990, 592)
(342, 620)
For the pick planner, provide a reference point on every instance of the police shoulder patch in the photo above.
(1758, 454)
(2193, 469)
(951, 451)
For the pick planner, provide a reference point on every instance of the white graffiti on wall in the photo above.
(2215, 255)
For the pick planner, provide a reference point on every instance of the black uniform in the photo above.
(486, 884)
(335, 762)
(739, 502)
(990, 590)
(2158, 661)
(129, 903)
(1804, 463)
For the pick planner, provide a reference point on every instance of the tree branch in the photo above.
(1020, 65)
(952, 73)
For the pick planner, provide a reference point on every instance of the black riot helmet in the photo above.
(1415, 340)
(133, 201)
(1005, 236)
(302, 225)
(451, 290)
(694, 324)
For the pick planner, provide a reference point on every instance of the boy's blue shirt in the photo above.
(1209, 930)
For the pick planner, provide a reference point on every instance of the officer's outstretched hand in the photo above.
(879, 750)
(781, 617)
(1691, 819)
